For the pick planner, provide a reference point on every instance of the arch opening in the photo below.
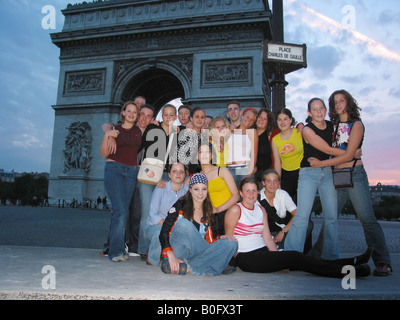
(156, 85)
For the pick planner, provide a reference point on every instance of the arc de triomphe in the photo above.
(205, 52)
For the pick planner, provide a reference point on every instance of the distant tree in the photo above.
(27, 188)
(388, 208)
(24, 188)
(42, 185)
(6, 191)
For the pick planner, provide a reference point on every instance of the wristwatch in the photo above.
(283, 231)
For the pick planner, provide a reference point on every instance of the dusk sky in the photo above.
(352, 45)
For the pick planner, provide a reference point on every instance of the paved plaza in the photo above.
(53, 253)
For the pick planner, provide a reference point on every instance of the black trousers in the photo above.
(264, 261)
(289, 181)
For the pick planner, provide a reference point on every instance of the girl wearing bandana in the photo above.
(189, 236)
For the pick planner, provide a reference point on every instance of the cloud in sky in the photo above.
(327, 25)
(29, 70)
(364, 61)
(324, 60)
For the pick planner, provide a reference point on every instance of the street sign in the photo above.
(290, 57)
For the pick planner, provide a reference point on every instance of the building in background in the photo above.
(379, 191)
(7, 176)
(204, 52)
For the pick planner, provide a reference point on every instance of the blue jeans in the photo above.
(239, 173)
(202, 258)
(146, 191)
(120, 182)
(361, 199)
(312, 180)
(153, 235)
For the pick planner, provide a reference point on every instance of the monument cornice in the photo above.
(202, 24)
(120, 12)
(159, 40)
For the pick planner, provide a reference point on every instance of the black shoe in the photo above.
(143, 256)
(166, 268)
(363, 258)
(105, 251)
(362, 270)
(383, 269)
(229, 269)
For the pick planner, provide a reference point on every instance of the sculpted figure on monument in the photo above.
(78, 147)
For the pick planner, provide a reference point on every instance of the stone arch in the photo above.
(205, 52)
(158, 84)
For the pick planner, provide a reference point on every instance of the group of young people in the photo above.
(208, 215)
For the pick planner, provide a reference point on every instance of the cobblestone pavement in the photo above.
(352, 239)
(88, 228)
(71, 239)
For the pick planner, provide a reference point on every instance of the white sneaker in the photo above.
(120, 258)
(133, 254)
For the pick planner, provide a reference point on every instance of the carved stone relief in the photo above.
(78, 147)
(84, 82)
(226, 72)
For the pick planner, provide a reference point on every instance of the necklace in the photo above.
(197, 208)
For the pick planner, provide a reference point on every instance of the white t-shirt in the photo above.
(239, 146)
(283, 202)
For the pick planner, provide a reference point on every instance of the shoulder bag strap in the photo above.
(171, 139)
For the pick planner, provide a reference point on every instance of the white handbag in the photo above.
(151, 170)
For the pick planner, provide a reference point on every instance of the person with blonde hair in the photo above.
(219, 133)
(243, 147)
(120, 175)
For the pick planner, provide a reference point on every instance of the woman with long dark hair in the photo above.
(266, 129)
(189, 238)
(345, 114)
(221, 185)
(287, 151)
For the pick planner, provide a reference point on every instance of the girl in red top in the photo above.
(120, 175)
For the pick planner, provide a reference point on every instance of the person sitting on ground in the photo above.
(161, 201)
(247, 221)
(279, 206)
(189, 239)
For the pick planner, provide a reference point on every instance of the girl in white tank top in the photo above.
(249, 228)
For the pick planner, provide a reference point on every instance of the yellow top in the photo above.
(290, 151)
(222, 157)
(218, 191)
